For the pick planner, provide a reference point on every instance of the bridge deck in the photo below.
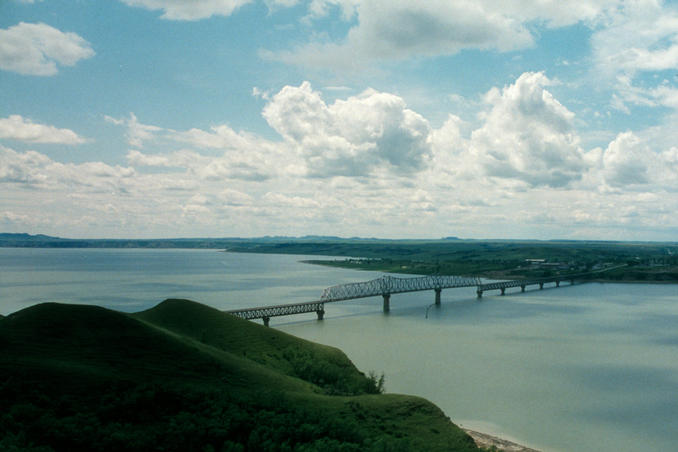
(278, 310)
(388, 285)
(392, 285)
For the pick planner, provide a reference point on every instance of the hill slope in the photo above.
(183, 376)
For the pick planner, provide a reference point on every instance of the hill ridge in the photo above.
(184, 376)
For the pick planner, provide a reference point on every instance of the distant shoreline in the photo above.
(339, 264)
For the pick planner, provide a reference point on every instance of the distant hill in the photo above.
(183, 376)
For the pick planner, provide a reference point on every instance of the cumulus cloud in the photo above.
(22, 168)
(137, 133)
(193, 10)
(350, 137)
(528, 135)
(16, 127)
(36, 170)
(231, 197)
(625, 161)
(402, 29)
(634, 162)
(38, 49)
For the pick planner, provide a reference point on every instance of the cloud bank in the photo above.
(361, 163)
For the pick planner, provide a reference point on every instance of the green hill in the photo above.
(183, 376)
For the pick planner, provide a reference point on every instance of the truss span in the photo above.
(387, 285)
(266, 312)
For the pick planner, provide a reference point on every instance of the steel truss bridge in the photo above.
(390, 285)
(385, 286)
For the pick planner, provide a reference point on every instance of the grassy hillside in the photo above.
(183, 376)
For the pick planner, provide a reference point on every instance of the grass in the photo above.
(183, 376)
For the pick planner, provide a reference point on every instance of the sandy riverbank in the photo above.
(485, 440)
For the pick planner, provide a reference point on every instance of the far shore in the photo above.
(494, 276)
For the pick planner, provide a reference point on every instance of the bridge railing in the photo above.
(391, 285)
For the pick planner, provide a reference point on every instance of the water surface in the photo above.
(589, 367)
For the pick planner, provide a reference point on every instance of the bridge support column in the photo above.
(321, 314)
(438, 296)
(572, 282)
(503, 289)
(522, 288)
(541, 285)
(387, 302)
(557, 283)
(266, 320)
(479, 293)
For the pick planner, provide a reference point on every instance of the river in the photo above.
(590, 367)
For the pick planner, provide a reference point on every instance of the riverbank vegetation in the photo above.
(494, 259)
(183, 376)
(605, 261)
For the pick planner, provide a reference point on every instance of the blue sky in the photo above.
(480, 119)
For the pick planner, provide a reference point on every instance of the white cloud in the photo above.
(633, 45)
(402, 29)
(35, 170)
(12, 217)
(16, 127)
(528, 135)
(192, 10)
(230, 166)
(350, 137)
(625, 161)
(283, 200)
(221, 137)
(137, 133)
(180, 159)
(38, 49)
(642, 35)
(231, 197)
(633, 162)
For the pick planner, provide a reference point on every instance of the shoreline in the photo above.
(491, 277)
(487, 441)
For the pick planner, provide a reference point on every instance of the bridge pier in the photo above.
(541, 285)
(387, 302)
(557, 283)
(479, 292)
(321, 314)
(438, 296)
(522, 288)
(572, 282)
(503, 289)
(266, 320)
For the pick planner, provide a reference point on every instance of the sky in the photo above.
(524, 119)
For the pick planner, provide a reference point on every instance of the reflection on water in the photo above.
(588, 368)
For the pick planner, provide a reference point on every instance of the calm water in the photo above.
(584, 368)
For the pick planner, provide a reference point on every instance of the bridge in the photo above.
(388, 285)
(384, 286)
(522, 283)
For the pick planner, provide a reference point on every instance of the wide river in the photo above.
(591, 367)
